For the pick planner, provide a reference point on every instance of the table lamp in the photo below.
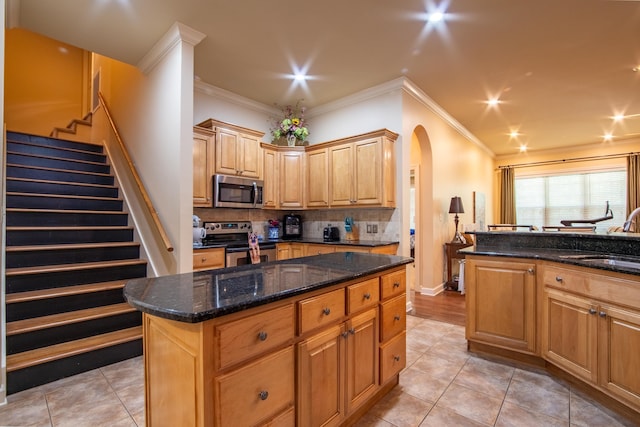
(455, 208)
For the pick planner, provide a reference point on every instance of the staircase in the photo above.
(69, 252)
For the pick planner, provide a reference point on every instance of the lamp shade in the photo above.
(456, 205)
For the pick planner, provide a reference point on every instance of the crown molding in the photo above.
(209, 89)
(176, 34)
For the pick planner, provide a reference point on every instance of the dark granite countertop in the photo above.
(199, 296)
(366, 243)
(611, 252)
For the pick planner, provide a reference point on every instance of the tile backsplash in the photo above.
(387, 221)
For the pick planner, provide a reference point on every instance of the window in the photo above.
(546, 200)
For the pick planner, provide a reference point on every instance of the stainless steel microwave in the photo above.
(236, 192)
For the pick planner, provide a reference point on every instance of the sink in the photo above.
(612, 260)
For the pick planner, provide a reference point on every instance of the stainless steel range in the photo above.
(234, 235)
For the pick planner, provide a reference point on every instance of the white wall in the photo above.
(3, 351)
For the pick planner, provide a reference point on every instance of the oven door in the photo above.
(235, 192)
(240, 256)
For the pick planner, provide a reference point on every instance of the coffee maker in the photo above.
(291, 226)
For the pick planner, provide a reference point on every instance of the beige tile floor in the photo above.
(443, 385)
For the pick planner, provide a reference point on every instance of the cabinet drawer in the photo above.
(256, 392)
(208, 258)
(286, 419)
(393, 357)
(393, 317)
(245, 338)
(563, 278)
(362, 295)
(321, 310)
(318, 249)
(393, 284)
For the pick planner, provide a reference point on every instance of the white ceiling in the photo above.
(562, 68)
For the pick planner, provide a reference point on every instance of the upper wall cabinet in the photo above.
(203, 165)
(317, 175)
(238, 149)
(283, 177)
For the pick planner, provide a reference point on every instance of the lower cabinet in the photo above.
(501, 303)
(297, 250)
(207, 259)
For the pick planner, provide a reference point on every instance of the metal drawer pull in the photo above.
(396, 317)
(203, 259)
(352, 331)
(396, 284)
(396, 358)
(367, 296)
(592, 311)
(262, 336)
(531, 271)
(326, 311)
(558, 279)
(263, 395)
(602, 314)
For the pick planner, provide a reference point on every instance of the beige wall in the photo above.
(43, 81)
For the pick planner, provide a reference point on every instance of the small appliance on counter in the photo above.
(291, 226)
(199, 233)
(331, 234)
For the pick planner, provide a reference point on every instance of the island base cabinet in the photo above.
(393, 357)
(256, 393)
(619, 357)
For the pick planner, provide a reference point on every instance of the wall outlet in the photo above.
(374, 228)
(368, 228)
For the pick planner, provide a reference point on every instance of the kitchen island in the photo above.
(307, 341)
(569, 302)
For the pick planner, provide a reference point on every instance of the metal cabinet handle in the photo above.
(262, 336)
(396, 317)
(352, 331)
(396, 358)
(531, 271)
(396, 284)
(203, 259)
(367, 296)
(558, 279)
(345, 334)
(602, 314)
(326, 311)
(592, 311)
(263, 395)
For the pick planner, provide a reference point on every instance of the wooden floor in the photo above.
(448, 307)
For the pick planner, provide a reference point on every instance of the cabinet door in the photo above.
(227, 151)
(318, 178)
(203, 163)
(297, 250)
(318, 249)
(619, 359)
(208, 259)
(283, 251)
(501, 304)
(367, 177)
(341, 175)
(320, 379)
(271, 179)
(291, 180)
(569, 333)
(250, 159)
(362, 358)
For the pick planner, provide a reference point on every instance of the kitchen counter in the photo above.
(365, 243)
(199, 296)
(580, 249)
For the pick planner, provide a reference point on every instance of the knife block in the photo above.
(353, 235)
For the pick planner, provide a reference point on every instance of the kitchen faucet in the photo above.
(627, 224)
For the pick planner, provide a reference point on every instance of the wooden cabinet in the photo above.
(317, 178)
(207, 259)
(291, 179)
(271, 178)
(501, 303)
(283, 251)
(296, 250)
(393, 325)
(203, 166)
(591, 329)
(238, 150)
(318, 249)
(451, 254)
(362, 172)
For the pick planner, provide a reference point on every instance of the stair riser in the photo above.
(36, 202)
(32, 282)
(43, 162)
(70, 256)
(60, 334)
(51, 175)
(48, 372)
(45, 307)
(53, 142)
(61, 219)
(40, 150)
(63, 189)
(54, 237)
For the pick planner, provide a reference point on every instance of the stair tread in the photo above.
(63, 196)
(10, 138)
(46, 181)
(64, 159)
(69, 246)
(63, 228)
(20, 297)
(58, 170)
(70, 267)
(65, 211)
(58, 351)
(66, 318)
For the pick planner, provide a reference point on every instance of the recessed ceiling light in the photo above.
(299, 77)
(493, 102)
(618, 117)
(436, 17)
(608, 136)
(523, 148)
(514, 134)
(636, 69)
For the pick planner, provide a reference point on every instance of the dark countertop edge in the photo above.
(555, 255)
(363, 243)
(215, 313)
